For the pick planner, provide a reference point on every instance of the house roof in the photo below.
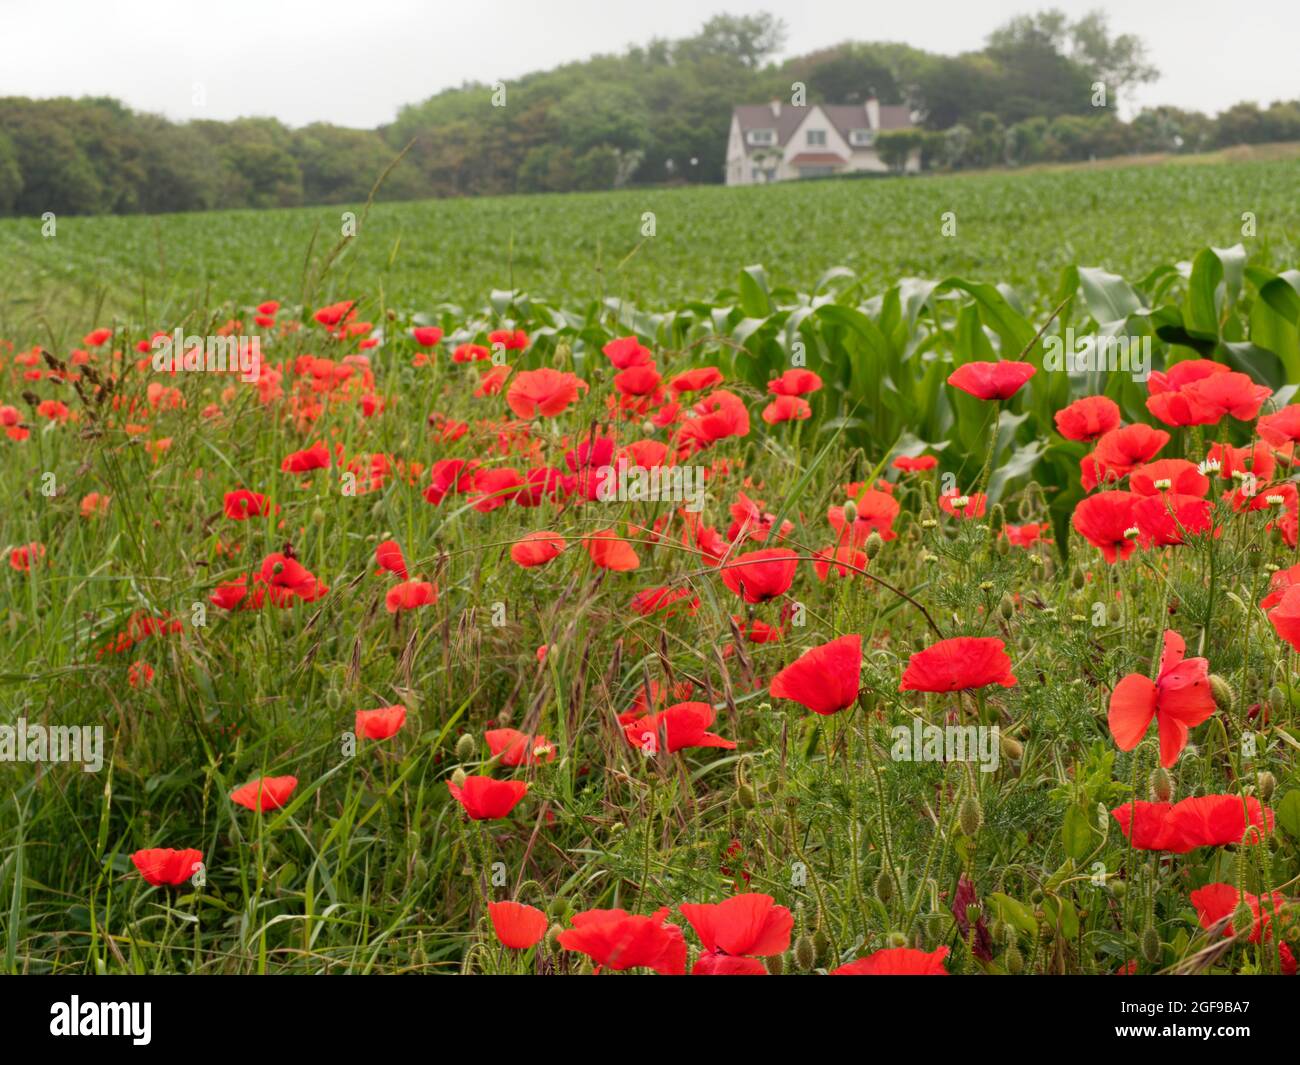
(786, 118)
(818, 159)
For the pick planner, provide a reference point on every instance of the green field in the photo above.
(1017, 229)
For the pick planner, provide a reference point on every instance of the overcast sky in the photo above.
(356, 62)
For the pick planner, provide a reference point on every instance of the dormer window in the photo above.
(862, 138)
(762, 136)
(816, 138)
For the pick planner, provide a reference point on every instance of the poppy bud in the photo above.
(466, 747)
(997, 519)
(553, 938)
(1007, 606)
(1012, 748)
(821, 944)
(805, 954)
(1149, 944)
(1077, 579)
(884, 887)
(970, 816)
(851, 513)
(1118, 888)
(1013, 959)
(895, 940)
(1276, 700)
(1113, 614)
(745, 797)
(1265, 784)
(333, 699)
(318, 516)
(1243, 921)
(1222, 692)
(873, 545)
(1161, 784)
(459, 777)
(775, 964)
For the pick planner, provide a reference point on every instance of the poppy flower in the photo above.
(470, 353)
(610, 551)
(1178, 700)
(825, 679)
(1121, 450)
(94, 504)
(1165, 519)
(426, 335)
(96, 337)
(697, 380)
(1281, 428)
(843, 561)
(1278, 585)
(410, 595)
(1088, 418)
(626, 352)
(966, 506)
(1207, 400)
(241, 504)
(1231, 462)
(877, 512)
(388, 556)
(316, 457)
(760, 576)
(494, 488)
(675, 729)
(991, 380)
(544, 392)
(265, 793)
(537, 549)
(786, 409)
(1104, 520)
(616, 939)
(380, 724)
(332, 315)
(1028, 534)
(958, 664)
(897, 961)
(515, 748)
(1183, 477)
(1214, 902)
(510, 339)
(139, 674)
(747, 925)
(1200, 821)
(516, 925)
(163, 866)
(22, 557)
(917, 464)
(485, 799)
(640, 380)
(795, 382)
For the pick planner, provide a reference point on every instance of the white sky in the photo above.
(355, 62)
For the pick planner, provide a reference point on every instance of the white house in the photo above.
(776, 141)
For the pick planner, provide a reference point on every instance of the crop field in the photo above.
(861, 577)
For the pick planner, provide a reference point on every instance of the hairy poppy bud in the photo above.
(1265, 784)
(1243, 921)
(884, 887)
(805, 954)
(1007, 606)
(821, 944)
(1113, 614)
(1077, 579)
(970, 816)
(1150, 944)
(466, 748)
(553, 938)
(851, 512)
(745, 797)
(1222, 692)
(895, 940)
(775, 964)
(459, 777)
(1161, 784)
(873, 545)
(1012, 748)
(1013, 959)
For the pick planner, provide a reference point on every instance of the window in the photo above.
(862, 138)
(816, 138)
(762, 136)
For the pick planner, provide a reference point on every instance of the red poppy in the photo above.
(1120, 450)
(1279, 583)
(517, 926)
(1206, 400)
(22, 557)
(1088, 418)
(164, 866)
(919, 464)
(316, 457)
(615, 939)
(1165, 520)
(626, 352)
(96, 337)
(958, 664)
(640, 380)
(1200, 821)
(747, 925)
(1230, 462)
(843, 561)
(485, 799)
(1281, 428)
(494, 488)
(515, 748)
(1104, 520)
(1286, 616)
(795, 382)
(1178, 700)
(786, 409)
(897, 961)
(759, 576)
(964, 506)
(426, 335)
(139, 674)
(877, 512)
(825, 679)
(696, 380)
(265, 793)
(1183, 477)
(510, 339)
(537, 549)
(675, 729)
(242, 504)
(991, 380)
(409, 595)
(1214, 902)
(388, 556)
(663, 600)
(1028, 534)
(332, 315)
(546, 392)
(380, 724)
(610, 551)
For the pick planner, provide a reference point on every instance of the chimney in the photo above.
(776, 108)
(873, 112)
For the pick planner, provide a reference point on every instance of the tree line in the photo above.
(1042, 88)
